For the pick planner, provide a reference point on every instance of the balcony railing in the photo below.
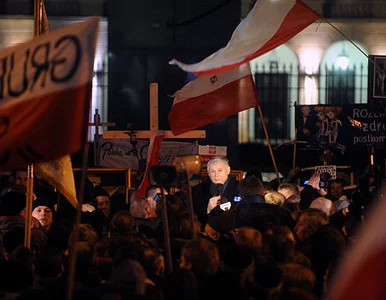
(348, 9)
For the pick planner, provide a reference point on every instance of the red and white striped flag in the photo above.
(152, 160)
(210, 98)
(268, 25)
(46, 98)
(57, 172)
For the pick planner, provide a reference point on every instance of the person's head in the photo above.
(251, 186)
(153, 262)
(141, 207)
(336, 188)
(267, 187)
(200, 256)
(255, 173)
(305, 110)
(298, 276)
(292, 203)
(21, 178)
(262, 281)
(122, 223)
(330, 114)
(310, 220)
(102, 198)
(288, 189)
(129, 278)
(86, 233)
(153, 194)
(279, 245)
(175, 206)
(43, 210)
(12, 239)
(85, 255)
(218, 169)
(249, 239)
(323, 204)
(211, 233)
(48, 262)
(223, 223)
(274, 198)
(12, 204)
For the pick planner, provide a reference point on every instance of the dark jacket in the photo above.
(202, 192)
(307, 195)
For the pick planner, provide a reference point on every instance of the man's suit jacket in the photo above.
(201, 194)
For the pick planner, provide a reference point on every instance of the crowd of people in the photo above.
(253, 239)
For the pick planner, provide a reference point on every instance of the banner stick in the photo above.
(295, 149)
(30, 171)
(73, 254)
(165, 222)
(269, 143)
(28, 208)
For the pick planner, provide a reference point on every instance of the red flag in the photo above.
(268, 25)
(362, 273)
(45, 87)
(152, 160)
(211, 98)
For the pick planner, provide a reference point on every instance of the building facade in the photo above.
(326, 63)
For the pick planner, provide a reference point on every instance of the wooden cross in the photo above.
(146, 134)
(97, 122)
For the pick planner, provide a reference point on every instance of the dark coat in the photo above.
(201, 194)
(307, 195)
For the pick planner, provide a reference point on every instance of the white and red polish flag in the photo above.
(57, 172)
(210, 98)
(269, 24)
(152, 160)
(45, 94)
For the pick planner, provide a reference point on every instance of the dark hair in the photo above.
(251, 186)
(12, 203)
(122, 223)
(48, 262)
(175, 205)
(278, 246)
(255, 173)
(13, 238)
(100, 191)
(203, 255)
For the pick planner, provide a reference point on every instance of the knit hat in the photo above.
(100, 191)
(44, 200)
(223, 223)
(12, 203)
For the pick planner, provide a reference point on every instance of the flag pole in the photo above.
(165, 222)
(269, 143)
(36, 17)
(82, 188)
(28, 208)
(30, 169)
(73, 254)
(295, 146)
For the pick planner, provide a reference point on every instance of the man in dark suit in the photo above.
(215, 194)
(306, 124)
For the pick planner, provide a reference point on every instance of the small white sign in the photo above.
(330, 169)
(207, 152)
(226, 206)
